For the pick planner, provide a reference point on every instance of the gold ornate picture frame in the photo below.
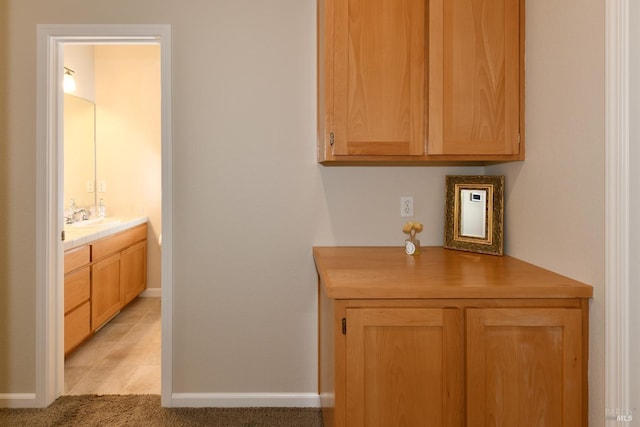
(474, 213)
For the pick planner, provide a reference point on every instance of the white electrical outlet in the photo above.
(89, 186)
(102, 186)
(406, 206)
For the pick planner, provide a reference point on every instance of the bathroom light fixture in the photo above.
(69, 83)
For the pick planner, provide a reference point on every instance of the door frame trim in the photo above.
(617, 251)
(49, 369)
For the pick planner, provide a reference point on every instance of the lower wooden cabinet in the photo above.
(401, 363)
(100, 279)
(449, 339)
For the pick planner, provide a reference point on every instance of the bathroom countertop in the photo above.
(76, 236)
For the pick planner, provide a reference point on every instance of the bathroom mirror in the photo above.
(474, 213)
(79, 152)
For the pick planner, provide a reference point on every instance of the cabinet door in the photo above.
(378, 77)
(474, 77)
(134, 270)
(106, 293)
(404, 366)
(524, 367)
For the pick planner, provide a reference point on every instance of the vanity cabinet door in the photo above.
(107, 297)
(524, 367)
(134, 270)
(404, 365)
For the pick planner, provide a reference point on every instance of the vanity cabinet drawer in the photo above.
(76, 258)
(77, 326)
(77, 288)
(118, 242)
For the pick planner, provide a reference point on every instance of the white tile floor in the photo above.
(121, 358)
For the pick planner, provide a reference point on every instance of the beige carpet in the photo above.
(145, 410)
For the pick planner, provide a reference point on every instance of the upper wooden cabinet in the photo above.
(420, 81)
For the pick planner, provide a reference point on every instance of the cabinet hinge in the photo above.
(62, 236)
(332, 138)
(344, 326)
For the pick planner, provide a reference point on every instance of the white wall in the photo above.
(555, 198)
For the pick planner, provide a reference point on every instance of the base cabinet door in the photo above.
(404, 366)
(524, 367)
(106, 291)
(134, 270)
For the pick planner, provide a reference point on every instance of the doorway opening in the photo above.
(51, 205)
(111, 181)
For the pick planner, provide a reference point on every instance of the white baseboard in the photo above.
(151, 292)
(245, 400)
(200, 400)
(18, 400)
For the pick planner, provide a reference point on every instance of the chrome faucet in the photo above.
(81, 214)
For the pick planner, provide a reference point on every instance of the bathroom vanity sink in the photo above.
(87, 223)
(84, 232)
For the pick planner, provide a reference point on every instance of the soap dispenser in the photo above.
(102, 210)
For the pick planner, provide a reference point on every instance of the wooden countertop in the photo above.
(387, 272)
